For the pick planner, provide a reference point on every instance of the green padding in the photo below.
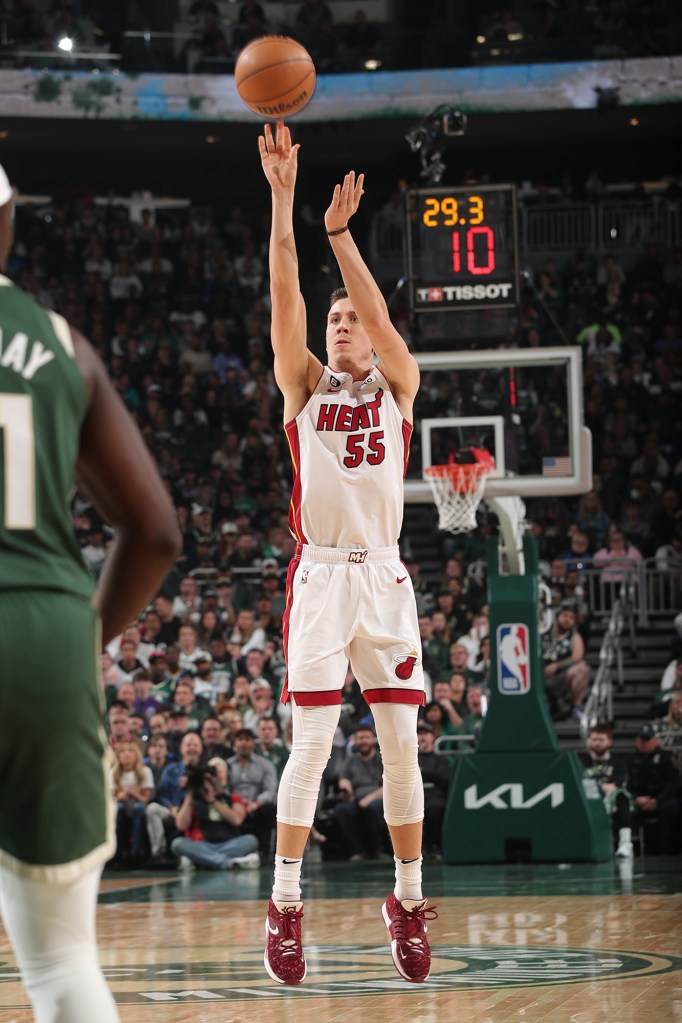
(504, 805)
(518, 796)
(517, 720)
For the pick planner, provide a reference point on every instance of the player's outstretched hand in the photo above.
(345, 201)
(278, 157)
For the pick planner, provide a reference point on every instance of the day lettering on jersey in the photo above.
(17, 354)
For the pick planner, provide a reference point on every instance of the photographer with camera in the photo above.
(211, 819)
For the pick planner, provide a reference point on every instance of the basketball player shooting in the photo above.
(349, 597)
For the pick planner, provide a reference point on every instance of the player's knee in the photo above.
(403, 789)
(401, 776)
(396, 730)
(312, 752)
(399, 748)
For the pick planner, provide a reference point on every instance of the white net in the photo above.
(457, 491)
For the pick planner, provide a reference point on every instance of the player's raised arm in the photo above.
(398, 365)
(279, 159)
(124, 483)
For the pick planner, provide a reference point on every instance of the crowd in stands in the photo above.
(208, 35)
(177, 307)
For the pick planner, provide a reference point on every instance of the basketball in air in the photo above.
(275, 76)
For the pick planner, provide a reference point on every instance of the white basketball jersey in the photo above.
(349, 449)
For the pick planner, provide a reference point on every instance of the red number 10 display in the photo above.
(473, 251)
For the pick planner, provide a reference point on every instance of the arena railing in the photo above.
(454, 745)
(58, 60)
(606, 226)
(599, 703)
(653, 593)
(660, 590)
(600, 594)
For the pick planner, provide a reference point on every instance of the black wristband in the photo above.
(330, 234)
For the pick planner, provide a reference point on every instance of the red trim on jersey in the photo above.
(412, 696)
(324, 698)
(289, 591)
(408, 429)
(295, 523)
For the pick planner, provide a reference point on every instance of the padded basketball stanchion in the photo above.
(519, 797)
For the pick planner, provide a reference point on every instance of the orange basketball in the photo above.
(275, 76)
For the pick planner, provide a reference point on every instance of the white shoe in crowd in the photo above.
(184, 863)
(249, 862)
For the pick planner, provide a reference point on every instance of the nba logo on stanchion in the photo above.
(513, 676)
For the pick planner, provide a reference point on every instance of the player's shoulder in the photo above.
(402, 386)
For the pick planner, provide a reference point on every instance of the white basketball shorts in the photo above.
(351, 606)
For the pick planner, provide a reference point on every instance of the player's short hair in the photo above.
(336, 294)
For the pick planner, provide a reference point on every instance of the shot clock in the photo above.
(462, 250)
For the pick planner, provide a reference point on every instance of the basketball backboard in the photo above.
(523, 405)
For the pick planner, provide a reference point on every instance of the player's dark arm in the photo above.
(122, 479)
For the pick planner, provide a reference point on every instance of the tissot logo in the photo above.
(453, 293)
(512, 796)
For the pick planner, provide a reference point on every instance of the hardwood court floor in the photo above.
(597, 943)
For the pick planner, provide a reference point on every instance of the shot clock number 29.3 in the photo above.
(479, 239)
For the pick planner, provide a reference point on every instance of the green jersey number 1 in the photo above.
(19, 468)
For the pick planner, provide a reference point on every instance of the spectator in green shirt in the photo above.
(472, 722)
(270, 745)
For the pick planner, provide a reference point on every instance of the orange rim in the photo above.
(462, 477)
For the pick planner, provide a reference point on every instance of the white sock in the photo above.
(624, 835)
(408, 879)
(287, 886)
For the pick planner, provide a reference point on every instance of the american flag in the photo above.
(556, 466)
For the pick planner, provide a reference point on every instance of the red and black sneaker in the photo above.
(284, 958)
(409, 944)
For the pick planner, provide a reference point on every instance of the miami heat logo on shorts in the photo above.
(405, 665)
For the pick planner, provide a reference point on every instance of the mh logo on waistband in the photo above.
(357, 557)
